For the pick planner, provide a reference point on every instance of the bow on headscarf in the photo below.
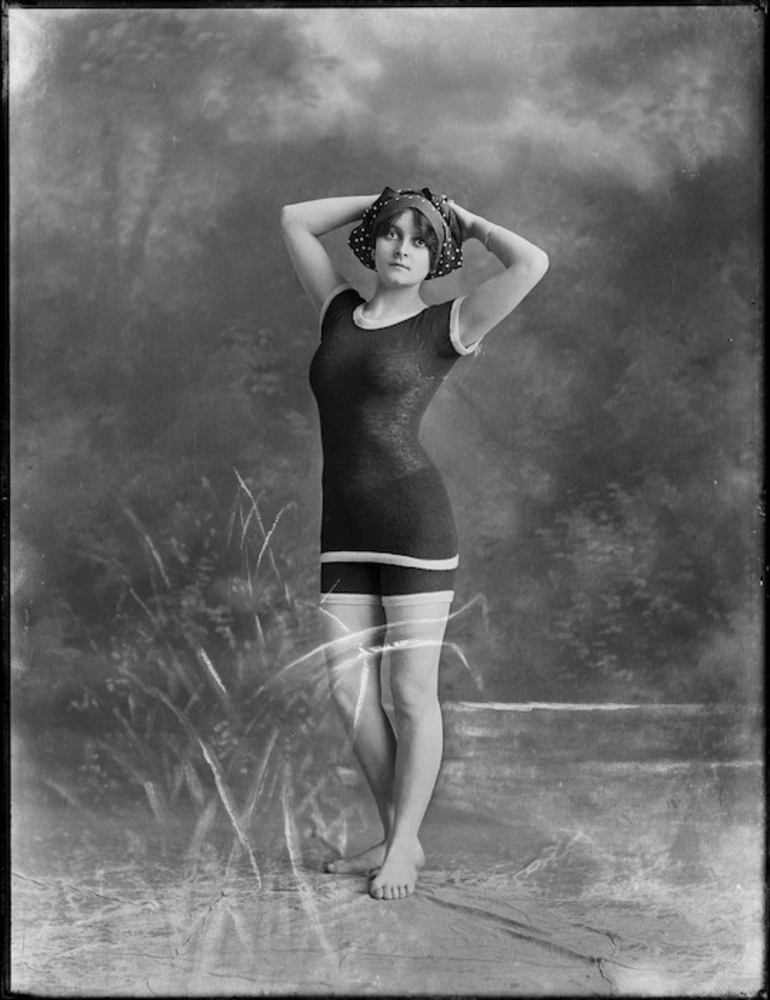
(438, 213)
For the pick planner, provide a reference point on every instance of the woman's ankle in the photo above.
(404, 842)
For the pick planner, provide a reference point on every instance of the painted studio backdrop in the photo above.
(601, 451)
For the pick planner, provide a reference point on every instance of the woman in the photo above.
(388, 543)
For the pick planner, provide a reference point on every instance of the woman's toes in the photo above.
(361, 864)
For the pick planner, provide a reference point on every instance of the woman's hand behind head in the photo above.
(465, 220)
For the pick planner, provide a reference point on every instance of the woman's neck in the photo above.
(393, 302)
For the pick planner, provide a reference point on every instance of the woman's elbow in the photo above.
(536, 264)
(292, 218)
(541, 263)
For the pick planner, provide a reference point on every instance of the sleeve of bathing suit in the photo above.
(444, 331)
(340, 300)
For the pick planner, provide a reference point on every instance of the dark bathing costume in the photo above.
(387, 527)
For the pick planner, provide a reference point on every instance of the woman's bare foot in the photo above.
(360, 864)
(397, 876)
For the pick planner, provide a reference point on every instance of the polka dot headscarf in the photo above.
(436, 210)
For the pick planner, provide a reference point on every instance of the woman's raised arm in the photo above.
(490, 302)
(302, 225)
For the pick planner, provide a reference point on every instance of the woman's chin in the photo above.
(399, 277)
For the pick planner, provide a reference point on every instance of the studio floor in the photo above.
(572, 850)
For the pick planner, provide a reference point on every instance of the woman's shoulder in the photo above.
(438, 309)
(442, 319)
(344, 296)
(442, 310)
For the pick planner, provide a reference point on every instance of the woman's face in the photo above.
(401, 255)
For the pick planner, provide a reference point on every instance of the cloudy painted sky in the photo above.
(639, 92)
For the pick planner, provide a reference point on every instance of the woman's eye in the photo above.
(420, 242)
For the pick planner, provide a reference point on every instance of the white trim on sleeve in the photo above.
(454, 330)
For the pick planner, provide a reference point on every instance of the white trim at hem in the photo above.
(390, 559)
(454, 330)
(328, 300)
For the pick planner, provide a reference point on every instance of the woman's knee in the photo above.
(350, 677)
(414, 694)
